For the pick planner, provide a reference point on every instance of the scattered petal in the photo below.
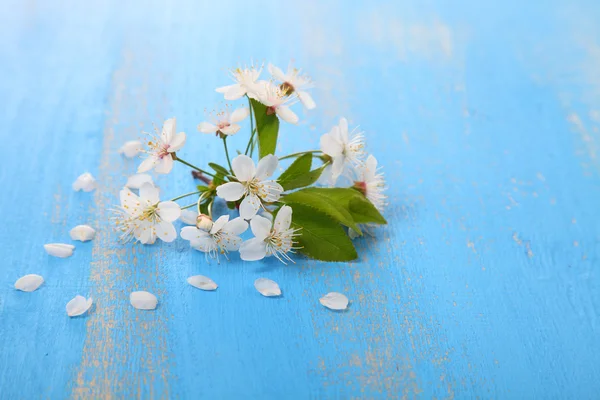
(131, 148)
(334, 301)
(29, 283)
(267, 287)
(85, 182)
(136, 181)
(78, 305)
(188, 217)
(82, 233)
(143, 300)
(59, 249)
(202, 282)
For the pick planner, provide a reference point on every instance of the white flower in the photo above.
(253, 184)
(85, 182)
(245, 79)
(136, 181)
(145, 217)
(60, 250)
(345, 150)
(220, 238)
(277, 101)
(131, 148)
(270, 239)
(29, 283)
(78, 306)
(160, 155)
(225, 122)
(371, 183)
(294, 82)
(82, 233)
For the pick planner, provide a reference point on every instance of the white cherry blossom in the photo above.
(245, 82)
(293, 81)
(277, 101)
(253, 184)
(225, 122)
(345, 149)
(85, 182)
(145, 217)
(219, 238)
(270, 238)
(371, 183)
(162, 147)
(131, 148)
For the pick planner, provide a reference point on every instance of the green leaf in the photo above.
(364, 212)
(219, 169)
(317, 200)
(299, 167)
(305, 180)
(202, 188)
(267, 127)
(219, 179)
(321, 237)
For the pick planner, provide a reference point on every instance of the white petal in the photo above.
(143, 300)
(131, 148)
(230, 242)
(130, 202)
(177, 142)
(270, 191)
(83, 233)
(206, 127)
(136, 181)
(267, 287)
(344, 129)
(148, 164)
(202, 282)
(188, 217)
(231, 191)
(59, 249)
(168, 130)
(306, 100)
(266, 166)
(261, 227)
(205, 244)
(276, 72)
(145, 233)
(164, 165)
(29, 283)
(224, 89)
(243, 167)
(236, 226)
(330, 145)
(283, 219)
(165, 231)
(150, 193)
(337, 167)
(168, 210)
(85, 182)
(370, 169)
(219, 223)
(239, 115)
(231, 129)
(235, 92)
(334, 301)
(78, 305)
(249, 206)
(286, 114)
(253, 250)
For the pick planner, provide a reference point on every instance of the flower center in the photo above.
(271, 110)
(287, 88)
(361, 187)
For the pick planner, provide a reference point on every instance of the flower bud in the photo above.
(204, 223)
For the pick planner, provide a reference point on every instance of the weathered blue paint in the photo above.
(485, 118)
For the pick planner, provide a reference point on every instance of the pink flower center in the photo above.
(163, 151)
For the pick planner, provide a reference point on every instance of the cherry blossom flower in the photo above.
(371, 183)
(270, 238)
(225, 122)
(277, 101)
(162, 147)
(131, 148)
(346, 150)
(253, 184)
(145, 217)
(85, 182)
(294, 82)
(246, 81)
(220, 237)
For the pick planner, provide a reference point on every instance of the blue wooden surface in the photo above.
(484, 284)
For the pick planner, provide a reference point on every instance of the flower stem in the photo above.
(188, 206)
(227, 153)
(250, 142)
(185, 195)
(194, 167)
(300, 154)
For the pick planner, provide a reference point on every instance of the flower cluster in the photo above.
(315, 210)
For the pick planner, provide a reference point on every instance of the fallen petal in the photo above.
(82, 233)
(143, 300)
(29, 283)
(78, 305)
(59, 249)
(85, 182)
(267, 287)
(188, 217)
(202, 282)
(136, 181)
(334, 301)
(131, 148)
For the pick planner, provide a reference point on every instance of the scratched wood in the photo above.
(485, 283)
